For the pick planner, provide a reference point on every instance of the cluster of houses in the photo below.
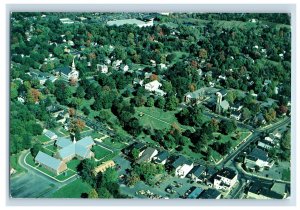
(66, 151)
(223, 180)
(258, 159)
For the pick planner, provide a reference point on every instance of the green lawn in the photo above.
(73, 164)
(42, 138)
(13, 162)
(73, 190)
(215, 156)
(29, 159)
(286, 174)
(64, 131)
(157, 118)
(109, 156)
(52, 148)
(117, 145)
(100, 152)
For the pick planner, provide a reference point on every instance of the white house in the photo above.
(258, 159)
(225, 179)
(153, 86)
(102, 68)
(183, 170)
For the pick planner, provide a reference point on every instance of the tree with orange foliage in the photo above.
(80, 124)
(72, 112)
(33, 95)
(194, 64)
(153, 77)
(192, 87)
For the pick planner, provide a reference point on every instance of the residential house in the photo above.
(104, 166)
(198, 173)
(154, 87)
(182, 166)
(80, 149)
(161, 158)
(52, 164)
(258, 190)
(50, 134)
(210, 194)
(225, 179)
(136, 145)
(276, 134)
(102, 68)
(147, 155)
(266, 143)
(258, 159)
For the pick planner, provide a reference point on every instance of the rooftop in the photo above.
(47, 160)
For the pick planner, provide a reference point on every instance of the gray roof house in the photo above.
(51, 163)
(210, 194)
(161, 158)
(147, 155)
(50, 134)
(197, 173)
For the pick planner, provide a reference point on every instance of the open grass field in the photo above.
(157, 118)
(118, 145)
(286, 175)
(100, 152)
(73, 190)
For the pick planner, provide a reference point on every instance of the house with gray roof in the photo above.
(147, 155)
(198, 173)
(51, 135)
(258, 159)
(80, 149)
(161, 157)
(210, 194)
(52, 164)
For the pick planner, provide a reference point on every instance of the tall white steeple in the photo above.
(73, 65)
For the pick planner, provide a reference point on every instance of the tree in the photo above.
(227, 127)
(171, 103)
(230, 97)
(110, 176)
(93, 194)
(35, 149)
(133, 179)
(270, 115)
(135, 153)
(86, 171)
(246, 114)
(104, 193)
(150, 102)
(80, 93)
(160, 102)
(286, 141)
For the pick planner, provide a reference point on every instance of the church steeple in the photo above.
(73, 65)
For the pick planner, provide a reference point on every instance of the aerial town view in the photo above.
(150, 105)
